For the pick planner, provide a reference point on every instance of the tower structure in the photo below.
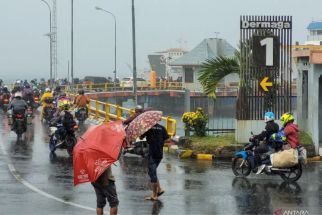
(54, 39)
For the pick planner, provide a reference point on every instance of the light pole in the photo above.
(72, 43)
(134, 55)
(101, 9)
(50, 44)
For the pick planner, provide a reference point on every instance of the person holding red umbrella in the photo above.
(96, 150)
(105, 189)
(156, 136)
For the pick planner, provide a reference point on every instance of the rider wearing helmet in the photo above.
(5, 90)
(28, 94)
(64, 117)
(290, 130)
(270, 128)
(17, 87)
(44, 100)
(17, 105)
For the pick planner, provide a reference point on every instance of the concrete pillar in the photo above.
(187, 100)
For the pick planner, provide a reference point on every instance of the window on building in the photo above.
(188, 75)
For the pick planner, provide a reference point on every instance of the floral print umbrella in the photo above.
(142, 124)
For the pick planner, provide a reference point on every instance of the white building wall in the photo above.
(314, 112)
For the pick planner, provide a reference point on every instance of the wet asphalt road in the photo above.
(34, 184)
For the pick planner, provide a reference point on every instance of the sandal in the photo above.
(160, 193)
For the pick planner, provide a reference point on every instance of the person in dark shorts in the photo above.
(105, 189)
(155, 137)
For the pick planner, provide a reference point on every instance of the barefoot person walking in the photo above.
(155, 137)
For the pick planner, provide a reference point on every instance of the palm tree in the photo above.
(215, 69)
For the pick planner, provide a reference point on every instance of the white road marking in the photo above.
(14, 172)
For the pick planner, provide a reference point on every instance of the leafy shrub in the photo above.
(195, 120)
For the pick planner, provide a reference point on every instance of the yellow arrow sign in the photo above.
(264, 84)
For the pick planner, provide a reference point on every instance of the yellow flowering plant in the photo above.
(196, 120)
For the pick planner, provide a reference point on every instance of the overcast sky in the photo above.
(160, 24)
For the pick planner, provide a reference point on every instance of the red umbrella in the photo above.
(98, 148)
(142, 124)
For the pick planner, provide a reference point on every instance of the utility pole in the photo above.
(50, 35)
(54, 40)
(134, 56)
(72, 42)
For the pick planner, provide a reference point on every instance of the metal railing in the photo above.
(108, 112)
(119, 87)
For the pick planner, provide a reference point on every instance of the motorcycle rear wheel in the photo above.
(243, 165)
(70, 143)
(293, 175)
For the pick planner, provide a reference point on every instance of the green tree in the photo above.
(215, 69)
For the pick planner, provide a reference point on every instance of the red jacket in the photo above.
(291, 132)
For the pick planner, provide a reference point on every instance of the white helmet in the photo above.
(18, 94)
(47, 90)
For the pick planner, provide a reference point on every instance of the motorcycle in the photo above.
(245, 162)
(5, 102)
(29, 115)
(66, 138)
(36, 102)
(30, 103)
(19, 123)
(49, 110)
(81, 115)
(139, 148)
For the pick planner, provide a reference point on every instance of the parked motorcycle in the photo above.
(139, 148)
(64, 139)
(244, 163)
(81, 115)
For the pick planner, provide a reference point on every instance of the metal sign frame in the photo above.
(253, 101)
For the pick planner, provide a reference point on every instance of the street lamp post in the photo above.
(101, 9)
(134, 55)
(50, 43)
(72, 42)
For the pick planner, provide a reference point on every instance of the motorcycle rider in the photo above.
(17, 87)
(290, 129)
(47, 95)
(4, 94)
(28, 94)
(57, 91)
(64, 117)
(81, 101)
(17, 105)
(270, 128)
(5, 90)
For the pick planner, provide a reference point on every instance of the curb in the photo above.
(315, 158)
(188, 153)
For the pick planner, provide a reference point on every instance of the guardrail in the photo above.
(110, 87)
(108, 112)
